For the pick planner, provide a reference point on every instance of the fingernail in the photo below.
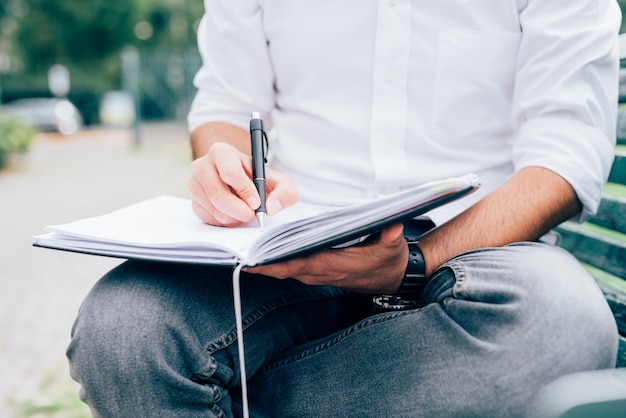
(253, 202)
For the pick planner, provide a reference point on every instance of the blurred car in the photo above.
(117, 109)
(46, 114)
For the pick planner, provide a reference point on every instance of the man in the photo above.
(362, 99)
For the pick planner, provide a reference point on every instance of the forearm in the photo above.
(211, 132)
(524, 208)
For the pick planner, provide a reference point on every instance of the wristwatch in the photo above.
(412, 285)
(415, 276)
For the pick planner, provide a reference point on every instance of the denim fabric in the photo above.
(494, 326)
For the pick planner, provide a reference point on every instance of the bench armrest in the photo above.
(599, 393)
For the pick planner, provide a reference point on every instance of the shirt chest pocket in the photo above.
(474, 85)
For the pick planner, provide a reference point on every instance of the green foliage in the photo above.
(87, 37)
(15, 137)
(73, 31)
(79, 32)
(173, 22)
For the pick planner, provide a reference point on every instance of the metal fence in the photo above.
(161, 82)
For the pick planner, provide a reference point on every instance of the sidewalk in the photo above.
(63, 179)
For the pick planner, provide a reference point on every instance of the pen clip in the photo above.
(266, 146)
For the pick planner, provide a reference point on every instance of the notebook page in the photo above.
(163, 227)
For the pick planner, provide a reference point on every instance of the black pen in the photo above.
(257, 136)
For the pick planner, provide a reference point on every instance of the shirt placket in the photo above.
(390, 95)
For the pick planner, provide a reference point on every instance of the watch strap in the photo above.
(412, 285)
(414, 280)
(415, 276)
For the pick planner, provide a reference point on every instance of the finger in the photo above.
(204, 215)
(204, 209)
(282, 192)
(213, 217)
(238, 179)
(234, 186)
(234, 168)
(209, 191)
(283, 270)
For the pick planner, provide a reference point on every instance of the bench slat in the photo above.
(611, 213)
(621, 354)
(600, 251)
(618, 171)
(617, 302)
(621, 124)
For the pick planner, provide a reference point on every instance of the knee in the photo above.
(135, 342)
(116, 323)
(536, 295)
(141, 314)
(532, 309)
(564, 296)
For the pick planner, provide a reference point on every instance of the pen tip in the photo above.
(256, 115)
(260, 216)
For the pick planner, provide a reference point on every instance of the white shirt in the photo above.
(365, 97)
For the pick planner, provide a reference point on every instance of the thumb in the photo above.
(391, 234)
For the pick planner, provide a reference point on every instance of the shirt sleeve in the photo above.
(236, 76)
(566, 92)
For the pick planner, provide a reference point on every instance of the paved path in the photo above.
(63, 179)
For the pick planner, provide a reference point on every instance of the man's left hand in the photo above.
(376, 265)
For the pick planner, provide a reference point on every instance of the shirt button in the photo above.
(389, 76)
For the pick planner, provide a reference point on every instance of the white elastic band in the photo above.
(240, 347)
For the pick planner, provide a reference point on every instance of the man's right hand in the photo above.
(222, 190)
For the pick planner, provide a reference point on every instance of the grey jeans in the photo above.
(494, 326)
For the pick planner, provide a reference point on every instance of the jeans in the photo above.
(493, 327)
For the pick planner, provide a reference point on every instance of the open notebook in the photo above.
(165, 228)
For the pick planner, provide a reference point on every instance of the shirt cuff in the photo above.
(581, 154)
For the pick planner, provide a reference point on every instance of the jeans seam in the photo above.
(262, 310)
(217, 411)
(337, 338)
(458, 268)
(460, 272)
(460, 277)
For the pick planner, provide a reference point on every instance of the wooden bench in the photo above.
(600, 244)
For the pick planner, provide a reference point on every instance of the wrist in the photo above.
(415, 277)
(412, 285)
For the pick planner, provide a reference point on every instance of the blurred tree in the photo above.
(73, 31)
(88, 37)
(78, 32)
(172, 23)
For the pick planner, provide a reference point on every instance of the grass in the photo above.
(57, 398)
